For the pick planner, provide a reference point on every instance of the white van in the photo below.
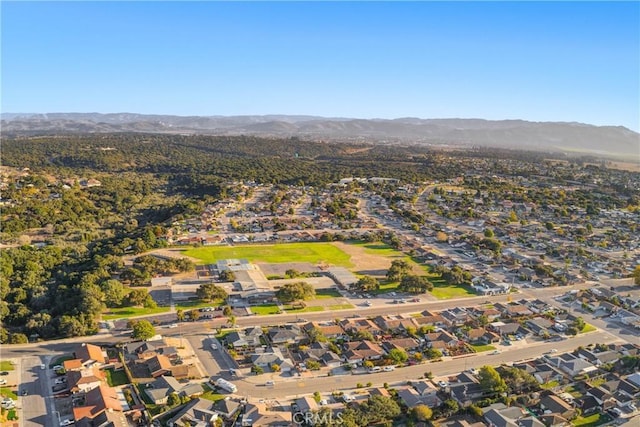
(375, 369)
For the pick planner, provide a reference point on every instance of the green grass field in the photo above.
(209, 394)
(327, 293)
(452, 291)
(116, 378)
(118, 313)
(281, 253)
(6, 365)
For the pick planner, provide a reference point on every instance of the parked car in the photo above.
(443, 384)
(4, 373)
(67, 422)
(269, 383)
(389, 368)
(3, 381)
(173, 325)
(57, 367)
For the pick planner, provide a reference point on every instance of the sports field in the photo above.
(325, 253)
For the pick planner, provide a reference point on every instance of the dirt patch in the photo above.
(369, 264)
(280, 269)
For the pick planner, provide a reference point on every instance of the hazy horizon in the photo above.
(575, 62)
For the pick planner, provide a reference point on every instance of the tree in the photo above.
(194, 315)
(399, 268)
(450, 406)
(227, 311)
(491, 382)
(636, 275)
(180, 314)
(275, 367)
(398, 355)
(143, 330)
(257, 370)
(114, 293)
(136, 297)
(579, 323)
(210, 292)
(227, 276)
(292, 273)
(422, 413)
(379, 408)
(295, 291)
(415, 284)
(313, 365)
(366, 284)
(173, 399)
(488, 233)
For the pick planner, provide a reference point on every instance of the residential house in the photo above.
(306, 404)
(255, 416)
(604, 397)
(158, 365)
(240, 340)
(353, 326)
(85, 379)
(330, 331)
(286, 334)
(457, 316)
(428, 392)
(271, 357)
(197, 412)
(500, 415)
(539, 325)
(160, 389)
(556, 406)
(226, 408)
(441, 340)
(359, 351)
(102, 400)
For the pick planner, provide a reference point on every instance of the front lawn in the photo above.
(6, 392)
(125, 312)
(592, 420)
(480, 348)
(264, 309)
(190, 305)
(309, 309)
(587, 328)
(209, 394)
(6, 365)
(341, 307)
(116, 378)
(550, 385)
(312, 252)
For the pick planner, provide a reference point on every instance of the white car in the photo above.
(269, 383)
(57, 367)
(3, 381)
(389, 368)
(60, 381)
(43, 366)
(173, 325)
(67, 422)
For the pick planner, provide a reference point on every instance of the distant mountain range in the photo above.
(615, 141)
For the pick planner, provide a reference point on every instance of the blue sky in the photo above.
(545, 61)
